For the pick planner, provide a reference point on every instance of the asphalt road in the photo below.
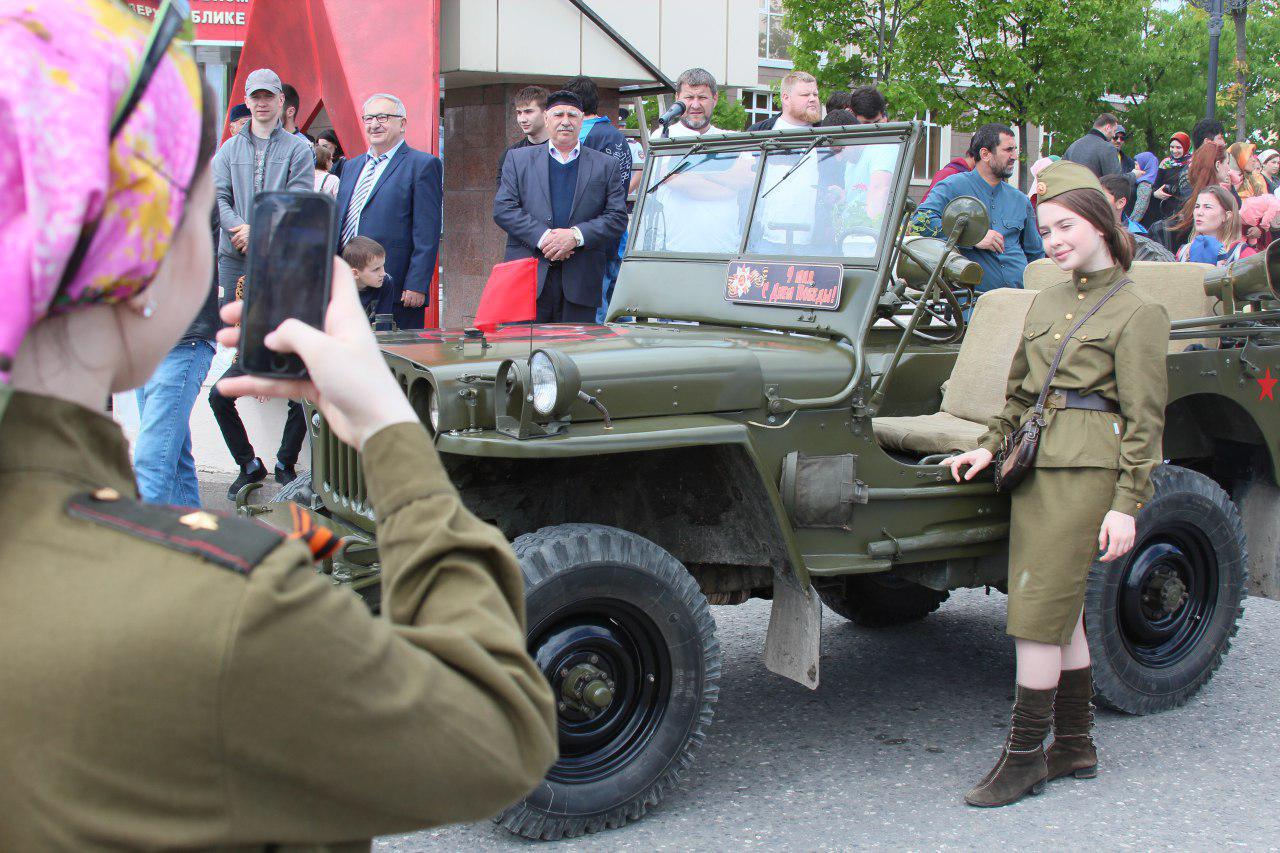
(907, 718)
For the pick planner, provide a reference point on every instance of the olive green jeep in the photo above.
(768, 424)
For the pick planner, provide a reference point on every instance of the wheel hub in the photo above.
(587, 689)
(1164, 594)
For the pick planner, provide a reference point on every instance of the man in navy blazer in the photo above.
(394, 194)
(566, 205)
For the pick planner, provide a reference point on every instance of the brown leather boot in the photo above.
(1021, 769)
(1072, 751)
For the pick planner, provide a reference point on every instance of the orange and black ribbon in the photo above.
(319, 540)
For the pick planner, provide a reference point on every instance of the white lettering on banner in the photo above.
(225, 18)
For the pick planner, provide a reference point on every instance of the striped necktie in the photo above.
(359, 197)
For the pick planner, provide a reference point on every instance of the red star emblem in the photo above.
(1268, 386)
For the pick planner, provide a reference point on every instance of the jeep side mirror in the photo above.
(968, 215)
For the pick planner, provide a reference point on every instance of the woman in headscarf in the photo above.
(1146, 184)
(1269, 161)
(185, 679)
(1165, 194)
(1251, 182)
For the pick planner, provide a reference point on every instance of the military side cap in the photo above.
(1064, 176)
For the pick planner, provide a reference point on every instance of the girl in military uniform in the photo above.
(176, 678)
(1092, 472)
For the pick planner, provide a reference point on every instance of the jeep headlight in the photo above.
(433, 410)
(554, 382)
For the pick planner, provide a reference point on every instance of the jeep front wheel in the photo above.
(1160, 620)
(624, 636)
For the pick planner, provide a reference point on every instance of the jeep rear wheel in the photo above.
(626, 640)
(878, 601)
(1161, 619)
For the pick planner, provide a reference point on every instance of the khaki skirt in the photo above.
(1053, 540)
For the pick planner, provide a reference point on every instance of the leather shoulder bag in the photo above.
(1017, 453)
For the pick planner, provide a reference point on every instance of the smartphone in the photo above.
(288, 274)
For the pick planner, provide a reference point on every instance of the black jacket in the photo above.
(765, 123)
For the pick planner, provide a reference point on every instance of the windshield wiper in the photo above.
(796, 165)
(677, 168)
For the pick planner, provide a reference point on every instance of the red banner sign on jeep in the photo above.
(790, 285)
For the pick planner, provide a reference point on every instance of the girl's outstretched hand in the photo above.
(975, 459)
(349, 383)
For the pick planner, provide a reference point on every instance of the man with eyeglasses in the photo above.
(394, 194)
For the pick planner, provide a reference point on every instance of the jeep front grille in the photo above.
(343, 480)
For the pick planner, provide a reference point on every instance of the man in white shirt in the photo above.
(800, 104)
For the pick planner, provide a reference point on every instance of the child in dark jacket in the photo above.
(368, 260)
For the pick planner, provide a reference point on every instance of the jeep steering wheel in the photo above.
(948, 312)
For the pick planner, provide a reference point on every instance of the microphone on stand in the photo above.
(673, 112)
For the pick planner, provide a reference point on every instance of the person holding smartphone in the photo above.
(176, 678)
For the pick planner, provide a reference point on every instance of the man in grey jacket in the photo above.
(1094, 150)
(263, 156)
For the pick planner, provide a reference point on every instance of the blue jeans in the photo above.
(162, 459)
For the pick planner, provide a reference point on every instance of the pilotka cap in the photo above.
(1064, 176)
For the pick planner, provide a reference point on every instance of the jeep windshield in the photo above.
(807, 201)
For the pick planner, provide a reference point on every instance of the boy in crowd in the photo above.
(368, 261)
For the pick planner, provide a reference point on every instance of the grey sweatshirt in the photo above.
(290, 165)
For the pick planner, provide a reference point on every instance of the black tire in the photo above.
(614, 599)
(879, 601)
(298, 491)
(1160, 620)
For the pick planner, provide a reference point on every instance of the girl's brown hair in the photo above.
(1202, 172)
(1232, 228)
(323, 158)
(1091, 206)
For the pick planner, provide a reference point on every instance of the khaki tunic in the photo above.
(1120, 354)
(154, 697)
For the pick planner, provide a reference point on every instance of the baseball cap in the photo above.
(263, 78)
(238, 112)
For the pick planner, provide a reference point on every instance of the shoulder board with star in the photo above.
(228, 541)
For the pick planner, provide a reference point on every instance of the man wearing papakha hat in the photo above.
(1101, 416)
(566, 205)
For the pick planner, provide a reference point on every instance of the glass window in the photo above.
(760, 105)
(775, 42)
(702, 207)
(828, 202)
(929, 153)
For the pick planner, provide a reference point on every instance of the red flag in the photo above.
(510, 295)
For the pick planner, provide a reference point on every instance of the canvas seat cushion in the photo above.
(974, 393)
(928, 434)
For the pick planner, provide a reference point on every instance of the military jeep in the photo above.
(767, 423)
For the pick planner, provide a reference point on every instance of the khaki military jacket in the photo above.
(1120, 354)
(171, 681)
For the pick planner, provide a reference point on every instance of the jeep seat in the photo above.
(975, 391)
(1179, 287)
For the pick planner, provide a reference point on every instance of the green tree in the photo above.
(1025, 62)
(847, 42)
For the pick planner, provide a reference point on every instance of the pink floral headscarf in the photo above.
(68, 63)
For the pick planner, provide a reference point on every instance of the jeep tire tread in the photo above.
(1160, 620)
(610, 596)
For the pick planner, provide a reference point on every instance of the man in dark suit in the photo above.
(566, 205)
(394, 194)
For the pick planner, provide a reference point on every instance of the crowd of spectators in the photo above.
(1202, 201)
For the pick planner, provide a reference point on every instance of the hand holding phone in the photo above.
(287, 275)
(348, 378)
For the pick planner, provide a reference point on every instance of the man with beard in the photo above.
(697, 89)
(800, 104)
(1014, 239)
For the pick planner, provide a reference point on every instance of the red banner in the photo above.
(215, 20)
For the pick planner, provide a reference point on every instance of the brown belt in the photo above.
(1065, 399)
